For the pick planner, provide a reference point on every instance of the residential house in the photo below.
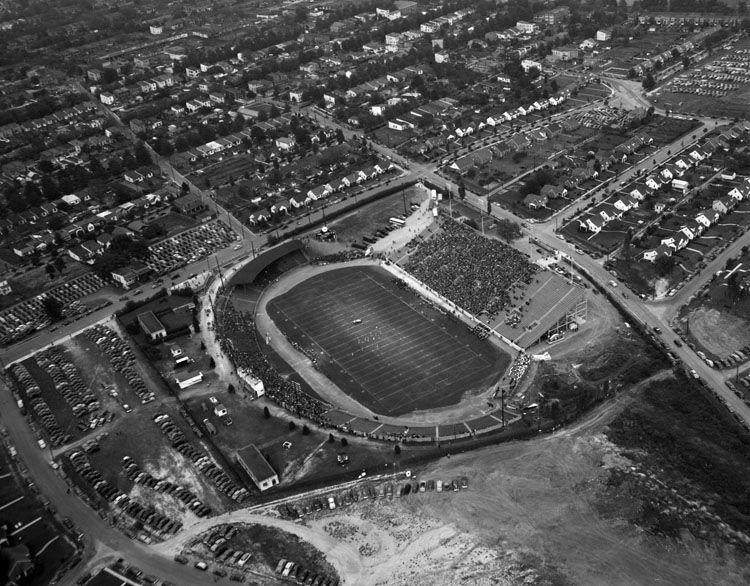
(741, 192)
(553, 191)
(189, 204)
(591, 224)
(534, 201)
(285, 143)
(654, 182)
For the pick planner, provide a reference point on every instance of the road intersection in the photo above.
(108, 542)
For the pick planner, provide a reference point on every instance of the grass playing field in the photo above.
(383, 345)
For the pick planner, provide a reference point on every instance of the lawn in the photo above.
(385, 346)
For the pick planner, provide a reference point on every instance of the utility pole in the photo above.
(502, 406)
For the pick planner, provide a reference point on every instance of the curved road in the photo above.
(107, 539)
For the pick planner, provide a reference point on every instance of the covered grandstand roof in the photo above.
(247, 274)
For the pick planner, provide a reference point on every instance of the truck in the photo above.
(209, 427)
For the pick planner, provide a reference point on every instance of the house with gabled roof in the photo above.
(534, 201)
(591, 224)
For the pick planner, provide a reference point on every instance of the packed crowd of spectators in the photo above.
(237, 338)
(478, 274)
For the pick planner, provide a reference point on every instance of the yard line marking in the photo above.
(13, 502)
(29, 524)
(365, 354)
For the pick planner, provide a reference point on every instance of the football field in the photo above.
(382, 344)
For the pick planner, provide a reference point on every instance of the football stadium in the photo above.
(376, 348)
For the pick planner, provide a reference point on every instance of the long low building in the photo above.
(188, 379)
(256, 466)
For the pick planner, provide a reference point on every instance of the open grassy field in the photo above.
(384, 346)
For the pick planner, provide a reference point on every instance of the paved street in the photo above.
(109, 541)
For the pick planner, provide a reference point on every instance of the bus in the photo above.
(397, 222)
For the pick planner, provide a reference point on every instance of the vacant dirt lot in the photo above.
(719, 332)
(533, 514)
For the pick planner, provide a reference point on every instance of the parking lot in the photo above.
(30, 315)
(189, 246)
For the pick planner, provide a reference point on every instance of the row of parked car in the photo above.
(301, 575)
(369, 491)
(138, 476)
(68, 382)
(199, 458)
(160, 524)
(30, 315)
(31, 392)
(189, 246)
(121, 357)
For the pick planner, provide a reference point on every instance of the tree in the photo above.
(211, 362)
(50, 190)
(142, 155)
(230, 389)
(734, 285)
(344, 442)
(331, 439)
(664, 265)
(266, 413)
(305, 430)
(53, 308)
(292, 426)
(397, 449)
(648, 82)
(50, 268)
(685, 61)
(462, 190)
(59, 264)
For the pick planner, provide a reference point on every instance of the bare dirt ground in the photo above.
(718, 332)
(531, 515)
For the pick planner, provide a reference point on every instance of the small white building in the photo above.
(188, 379)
